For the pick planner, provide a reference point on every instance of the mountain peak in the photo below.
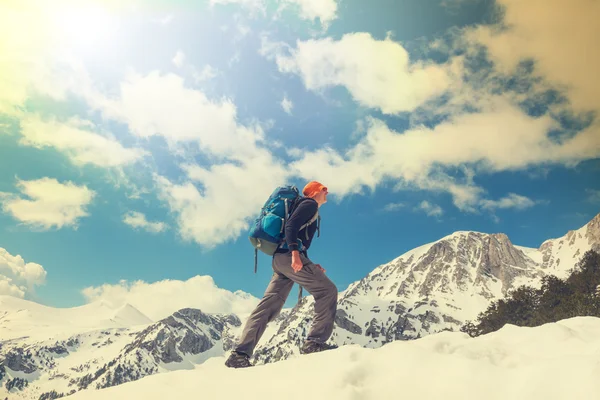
(593, 232)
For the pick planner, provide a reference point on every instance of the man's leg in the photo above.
(268, 308)
(320, 286)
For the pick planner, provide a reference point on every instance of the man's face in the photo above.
(321, 197)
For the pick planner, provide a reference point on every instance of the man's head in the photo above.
(317, 191)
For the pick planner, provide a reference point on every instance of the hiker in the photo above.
(292, 265)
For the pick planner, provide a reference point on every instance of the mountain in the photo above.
(23, 318)
(63, 364)
(433, 288)
(46, 353)
(556, 256)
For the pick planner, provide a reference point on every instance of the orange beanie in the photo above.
(312, 188)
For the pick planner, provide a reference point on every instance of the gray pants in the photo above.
(309, 277)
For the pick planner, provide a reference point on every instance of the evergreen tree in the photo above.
(556, 299)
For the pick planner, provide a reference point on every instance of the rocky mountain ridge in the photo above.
(48, 369)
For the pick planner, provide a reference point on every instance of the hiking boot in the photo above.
(310, 346)
(238, 360)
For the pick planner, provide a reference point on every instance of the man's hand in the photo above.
(321, 268)
(296, 261)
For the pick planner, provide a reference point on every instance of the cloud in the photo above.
(323, 10)
(138, 220)
(561, 36)
(253, 6)
(160, 299)
(500, 138)
(206, 201)
(391, 207)
(77, 139)
(513, 200)
(207, 206)
(593, 196)
(48, 203)
(18, 278)
(287, 105)
(166, 20)
(160, 105)
(431, 210)
(207, 73)
(179, 59)
(377, 73)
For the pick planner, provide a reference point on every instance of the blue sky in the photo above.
(139, 139)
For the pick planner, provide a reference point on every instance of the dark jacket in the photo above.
(304, 210)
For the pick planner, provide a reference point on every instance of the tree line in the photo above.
(556, 299)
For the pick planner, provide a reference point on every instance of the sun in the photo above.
(85, 25)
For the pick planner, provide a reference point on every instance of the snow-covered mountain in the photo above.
(33, 367)
(435, 287)
(22, 318)
(46, 353)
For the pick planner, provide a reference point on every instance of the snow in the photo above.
(23, 318)
(553, 361)
(532, 253)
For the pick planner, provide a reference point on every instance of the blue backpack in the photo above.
(268, 230)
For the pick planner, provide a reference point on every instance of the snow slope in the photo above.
(555, 361)
(23, 318)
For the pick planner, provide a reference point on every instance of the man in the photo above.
(291, 264)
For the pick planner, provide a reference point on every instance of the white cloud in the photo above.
(77, 139)
(377, 73)
(513, 200)
(207, 73)
(160, 299)
(253, 6)
(213, 213)
(161, 105)
(432, 210)
(287, 105)
(206, 206)
(323, 10)
(394, 206)
(47, 203)
(561, 36)
(138, 220)
(593, 196)
(497, 139)
(179, 59)
(166, 20)
(18, 278)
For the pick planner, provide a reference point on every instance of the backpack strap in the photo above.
(310, 221)
(319, 226)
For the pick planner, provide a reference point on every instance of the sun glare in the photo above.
(85, 26)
